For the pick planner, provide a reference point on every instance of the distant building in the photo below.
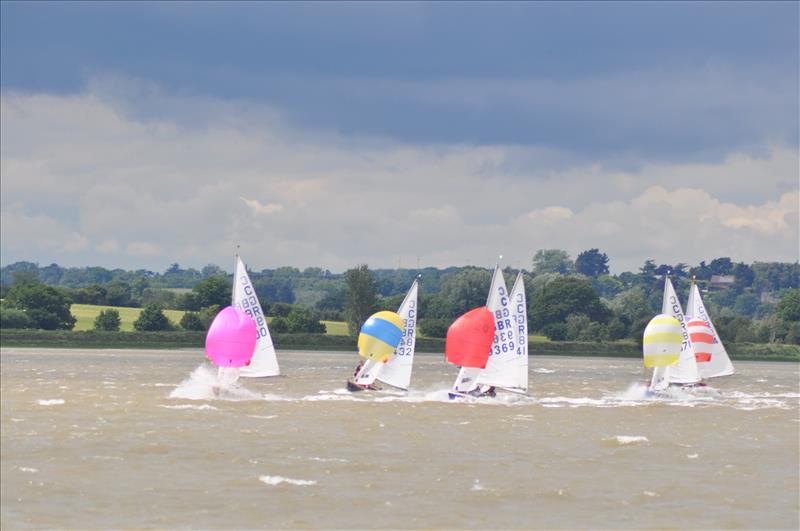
(769, 297)
(721, 282)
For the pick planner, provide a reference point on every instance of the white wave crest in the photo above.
(202, 407)
(630, 439)
(51, 402)
(277, 480)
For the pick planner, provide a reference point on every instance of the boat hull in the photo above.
(354, 387)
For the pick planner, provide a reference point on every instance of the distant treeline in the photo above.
(576, 300)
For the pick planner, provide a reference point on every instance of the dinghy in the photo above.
(379, 337)
(397, 371)
(468, 341)
(715, 361)
(507, 367)
(684, 372)
(264, 361)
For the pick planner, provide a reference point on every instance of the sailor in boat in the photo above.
(353, 386)
(483, 391)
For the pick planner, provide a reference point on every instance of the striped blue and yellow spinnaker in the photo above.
(662, 341)
(379, 336)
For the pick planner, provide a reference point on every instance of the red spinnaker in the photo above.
(469, 339)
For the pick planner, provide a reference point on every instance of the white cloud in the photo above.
(258, 208)
(86, 180)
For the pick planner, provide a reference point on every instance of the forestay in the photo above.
(264, 361)
(720, 363)
(502, 368)
(685, 372)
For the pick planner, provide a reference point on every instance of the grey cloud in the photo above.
(87, 182)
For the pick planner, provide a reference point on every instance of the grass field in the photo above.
(87, 313)
(335, 328)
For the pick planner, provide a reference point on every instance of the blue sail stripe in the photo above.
(385, 331)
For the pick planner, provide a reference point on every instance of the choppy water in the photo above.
(135, 439)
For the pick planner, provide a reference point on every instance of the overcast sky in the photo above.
(332, 134)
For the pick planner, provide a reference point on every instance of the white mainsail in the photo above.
(519, 317)
(720, 363)
(264, 361)
(502, 368)
(397, 371)
(685, 372)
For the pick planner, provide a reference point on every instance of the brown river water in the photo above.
(125, 439)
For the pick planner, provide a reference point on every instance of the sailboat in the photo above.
(397, 371)
(507, 367)
(468, 342)
(685, 371)
(264, 361)
(715, 362)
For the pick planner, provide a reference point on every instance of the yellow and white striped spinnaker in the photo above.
(663, 337)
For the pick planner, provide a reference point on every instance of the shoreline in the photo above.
(330, 343)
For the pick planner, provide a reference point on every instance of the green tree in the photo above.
(152, 319)
(648, 268)
(280, 309)
(721, 266)
(300, 321)
(47, 307)
(552, 261)
(108, 320)
(576, 324)
(632, 305)
(607, 286)
(207, 315)
(193, 321)
(279, 325)
(14, 318)
(592, 263)
(565, 296)
(462, 292)
(213, 290)
(555, 331)
(746, 304)
(615, 329)
(434, 327)
(788, 308)
(362, 298)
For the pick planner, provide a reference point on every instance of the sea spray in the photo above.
(202, 385)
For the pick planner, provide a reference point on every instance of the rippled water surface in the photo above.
(136, 439)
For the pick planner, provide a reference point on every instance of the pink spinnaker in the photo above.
(231, 338)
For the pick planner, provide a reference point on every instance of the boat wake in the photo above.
(202, 385)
